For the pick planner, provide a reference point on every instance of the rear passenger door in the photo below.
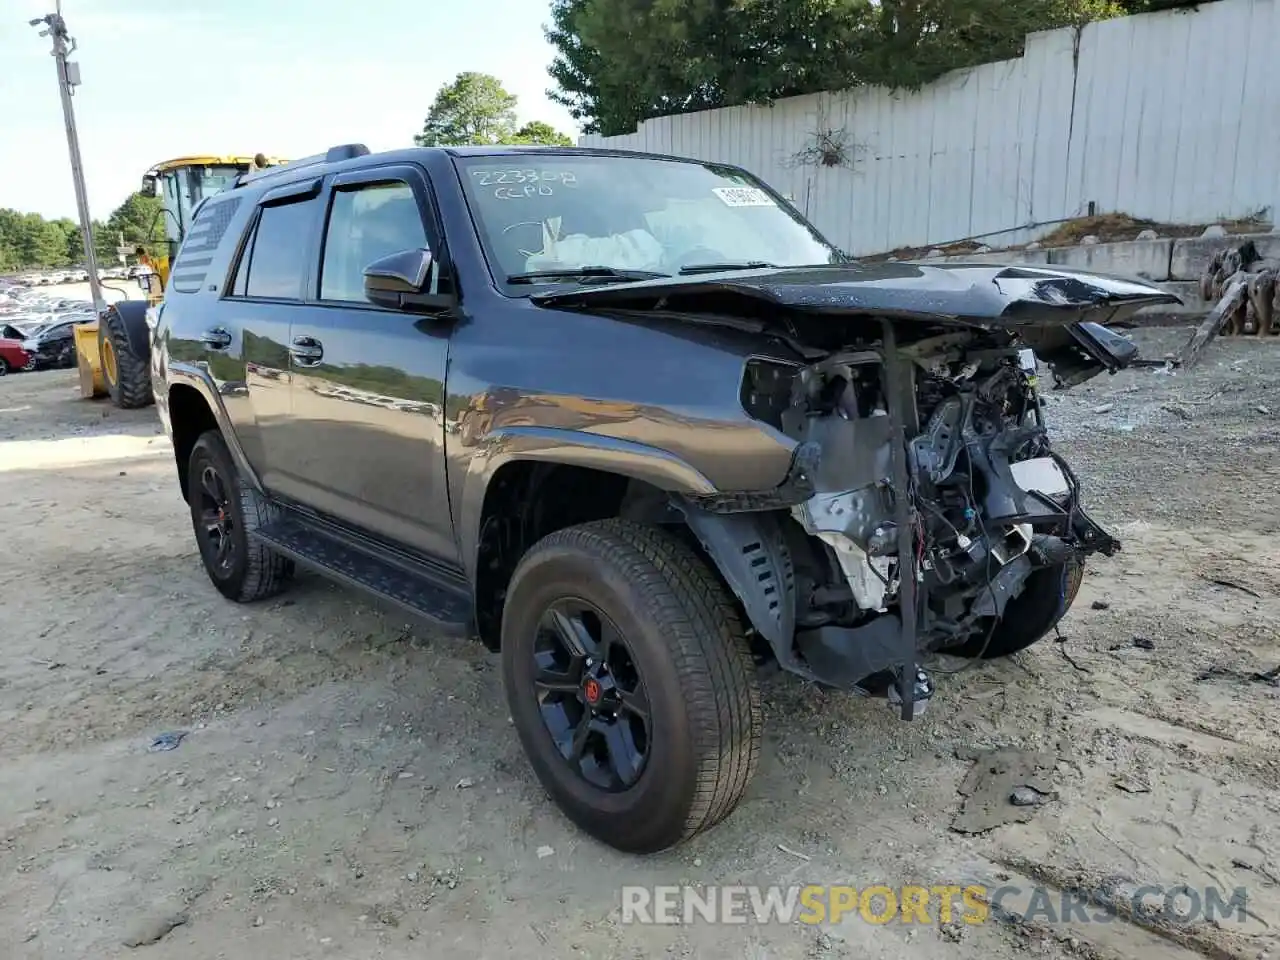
(366, 437)
(264, 298)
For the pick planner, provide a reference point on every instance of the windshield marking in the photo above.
(743, 197)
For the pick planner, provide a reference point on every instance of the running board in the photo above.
(394, 578)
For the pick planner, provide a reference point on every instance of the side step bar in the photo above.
(409, 584)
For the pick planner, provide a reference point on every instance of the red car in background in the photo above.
(12, 356)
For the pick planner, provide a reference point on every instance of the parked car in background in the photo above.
(52, 346)
(13, 356)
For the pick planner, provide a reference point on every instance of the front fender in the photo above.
(558, 445)
(194, 376)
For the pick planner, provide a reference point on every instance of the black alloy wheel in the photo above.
(225, 513)
(591, 695)
(217, 528)
(630, 683)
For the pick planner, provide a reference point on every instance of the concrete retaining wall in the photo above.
(1158, 260)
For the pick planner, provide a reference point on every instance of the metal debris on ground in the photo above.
(1024, 796)
(1247, 291)
(1231, 584)
(167, 741)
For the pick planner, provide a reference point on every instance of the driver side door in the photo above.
(366, 431)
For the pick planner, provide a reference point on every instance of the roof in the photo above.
(202, 160)
(356, 155)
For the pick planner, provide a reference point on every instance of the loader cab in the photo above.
(182, 183)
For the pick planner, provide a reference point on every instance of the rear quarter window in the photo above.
(189, 272)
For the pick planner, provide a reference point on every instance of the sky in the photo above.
(288, 78)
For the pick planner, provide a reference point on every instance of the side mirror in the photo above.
(149, 186)
(400, 281)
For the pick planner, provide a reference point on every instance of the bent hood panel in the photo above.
(968, 294)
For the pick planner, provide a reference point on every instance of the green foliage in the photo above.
(29, 241)
(535, 132)
(622, 61)
(140, 221)
(476, 109)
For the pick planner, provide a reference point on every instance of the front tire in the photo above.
(225, 511)
(1045, 599)
(611, 623)
(126, 375)
(4, 366)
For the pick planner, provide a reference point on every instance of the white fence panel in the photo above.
(1171, 116)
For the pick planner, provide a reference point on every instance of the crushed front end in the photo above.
(936, 500)
(925, 509)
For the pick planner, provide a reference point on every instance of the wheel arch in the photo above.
(190, 411)
(530, 490)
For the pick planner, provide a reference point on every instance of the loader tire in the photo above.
(127, 376)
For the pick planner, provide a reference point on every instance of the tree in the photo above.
(473, 109)
(535, 132)
(476, 109)
(622, 61)
(139, 220)
(28, 240)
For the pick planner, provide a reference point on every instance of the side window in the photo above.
(276, 258)
(241, 281)
(366, 223)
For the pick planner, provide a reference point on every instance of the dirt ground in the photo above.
(350, 788)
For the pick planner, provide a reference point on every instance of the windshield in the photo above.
(539, 214)
(185, 187)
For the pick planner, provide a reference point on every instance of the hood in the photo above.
(963, 293)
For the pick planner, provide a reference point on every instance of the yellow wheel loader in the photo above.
(113, 353)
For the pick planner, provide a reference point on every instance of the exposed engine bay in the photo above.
(924, 508)
(987, 503)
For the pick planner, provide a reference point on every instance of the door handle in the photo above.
(216, 339)
(306, 351)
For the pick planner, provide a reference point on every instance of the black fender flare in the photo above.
(751, 553)
(133, 318)
(565, 446)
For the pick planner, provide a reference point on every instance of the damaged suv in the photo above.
(633, 422)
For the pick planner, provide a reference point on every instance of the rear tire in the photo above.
(240, 567)
(685, 650)
(127, 376)
(1045, 599)
(4, 366)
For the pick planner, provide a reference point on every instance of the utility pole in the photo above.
(68, 78)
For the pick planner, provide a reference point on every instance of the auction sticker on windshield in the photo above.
(743, 197)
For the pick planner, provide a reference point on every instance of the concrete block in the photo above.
(1191, 257)
(1148, 259)
(1001, 257)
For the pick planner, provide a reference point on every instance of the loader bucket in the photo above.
(89, 361)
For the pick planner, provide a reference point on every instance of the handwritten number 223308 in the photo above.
(489, 178)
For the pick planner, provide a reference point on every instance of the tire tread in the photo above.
(709, 651)
(133, 387)
(266, 573)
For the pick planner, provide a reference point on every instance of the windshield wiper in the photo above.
(726, 265)
(585, 275)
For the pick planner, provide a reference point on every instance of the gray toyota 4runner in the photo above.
(633, 422)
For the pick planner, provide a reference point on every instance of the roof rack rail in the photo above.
(344, 151)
